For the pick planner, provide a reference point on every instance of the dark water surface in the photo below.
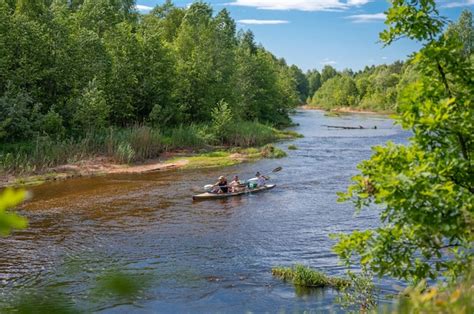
(212, 256)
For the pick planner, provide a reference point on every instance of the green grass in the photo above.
(292, 147)
(304, 276)
(208, 160)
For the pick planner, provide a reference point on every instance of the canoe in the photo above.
(209, 196)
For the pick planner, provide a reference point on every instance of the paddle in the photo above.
(210, 186)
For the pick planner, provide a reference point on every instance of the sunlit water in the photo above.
(211, 256)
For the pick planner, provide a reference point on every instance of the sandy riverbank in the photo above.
(168, 161)
(346, 110)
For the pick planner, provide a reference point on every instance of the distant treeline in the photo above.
(375, 87)
(71, 67)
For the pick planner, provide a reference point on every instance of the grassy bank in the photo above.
(134, 145)
(229, 157)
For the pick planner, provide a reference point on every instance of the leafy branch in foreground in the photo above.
(425, 190)
(9, 221)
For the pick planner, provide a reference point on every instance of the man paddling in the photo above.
(221, 186)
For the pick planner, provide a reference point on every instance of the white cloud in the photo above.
(143, 8)
(262, 22)
(301, 5)
(457, 4)
(384, 58)
(366, 18)
(328, 61)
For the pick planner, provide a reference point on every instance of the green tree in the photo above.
(327, 73)
(464, 29)
(425, 190)
(92, 109)
(302, 84)
(314, 82)
(339, 91)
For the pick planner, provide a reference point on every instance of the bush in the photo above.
(15, 115)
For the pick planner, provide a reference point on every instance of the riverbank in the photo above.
(185, 159)
(346, 110)
(131, 150)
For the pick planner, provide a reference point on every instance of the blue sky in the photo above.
(312, 33)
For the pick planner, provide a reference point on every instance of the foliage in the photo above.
(360, 295)
(374, 88)
(9, 221)
(71, 68)
(121, 285)
(92, 110)
(292, 147)
(452, 299)
(327, 73)
(337, 91)
(425, 190)
(221, 117)
(301, 275)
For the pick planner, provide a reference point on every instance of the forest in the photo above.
(96, 76)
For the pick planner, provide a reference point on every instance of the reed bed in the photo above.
(134, 144)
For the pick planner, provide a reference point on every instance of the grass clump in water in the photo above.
(304, 276)
(270, 151)
(292, 147)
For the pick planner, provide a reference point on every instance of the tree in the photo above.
(339, 91)
(465, 32)
(426, 189)
(302, 84)
(314, 82)
(327, 73)
(92, 109)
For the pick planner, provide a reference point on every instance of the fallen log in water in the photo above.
(360, 127)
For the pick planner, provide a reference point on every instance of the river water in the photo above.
(211, 256)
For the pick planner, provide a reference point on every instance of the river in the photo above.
(211, 256)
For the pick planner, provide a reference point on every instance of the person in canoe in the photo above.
(236, 185)
(261, 179)
(221, 186)
(258, 181)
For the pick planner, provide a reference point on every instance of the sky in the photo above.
(313, 33)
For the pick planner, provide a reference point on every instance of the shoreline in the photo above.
(348, 110)
(102, 165)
